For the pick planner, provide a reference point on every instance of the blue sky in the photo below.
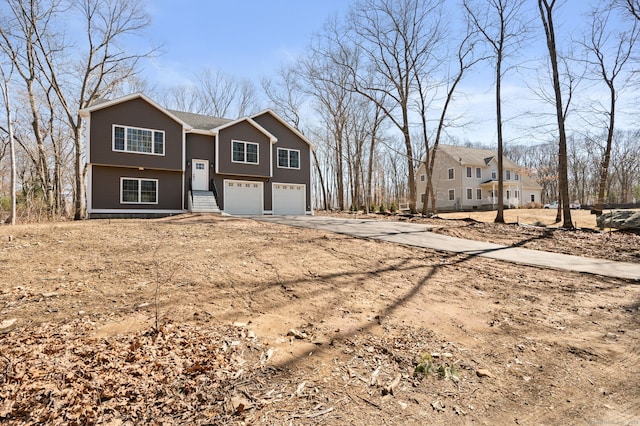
(248, 38)
(254, 38)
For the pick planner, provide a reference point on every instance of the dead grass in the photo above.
(580, 218)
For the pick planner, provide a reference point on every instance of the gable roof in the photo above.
(200, 121)
(287, 125)
(102, 103)
(258, 127)
(474, 156)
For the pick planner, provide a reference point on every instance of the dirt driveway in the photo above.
(209, 320)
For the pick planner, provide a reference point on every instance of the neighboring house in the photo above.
(145, 160)
(467, 179)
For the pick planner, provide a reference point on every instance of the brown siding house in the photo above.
(145, 160)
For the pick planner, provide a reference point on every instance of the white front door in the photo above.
(200, 175)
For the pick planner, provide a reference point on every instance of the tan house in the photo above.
(467, 179)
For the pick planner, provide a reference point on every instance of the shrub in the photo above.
(381, 209)
(393, 208)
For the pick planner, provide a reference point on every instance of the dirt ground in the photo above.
(200, 319)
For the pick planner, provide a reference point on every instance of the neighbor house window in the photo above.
(507, 174)
(468, 172)
(516, 176)
(494, 176)
(138, 191)
(508, 194)
(244, 152)
(133, 139)
(288, 158)
(422, 178)
(516, 194)
(452, 194)
(479, 194)
(469, 193)
(478, 172)
(450, 173)
(422, 198)
(533, 198)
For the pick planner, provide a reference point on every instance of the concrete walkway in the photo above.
(419, 235)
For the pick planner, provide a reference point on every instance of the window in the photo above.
(494, 175)
(133, 139)
(533, 198)
(507, 175)
(479, 194)
(516, 194)
(199, 166)
(244, 152)
(423, 178)
(516, 176)
(452, 194)
(138, 191)
(469, 194)
(508, 194)
(451, 174)
(422, 198)
(468, 172)
(288, 158)
(478, 172)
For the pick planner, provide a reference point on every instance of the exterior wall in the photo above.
(134, 113)
(244, 132)
(199, 147)
(105, 188)
(287, 139)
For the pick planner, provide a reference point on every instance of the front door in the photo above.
(200, 175)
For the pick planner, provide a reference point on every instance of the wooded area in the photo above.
(375, 92)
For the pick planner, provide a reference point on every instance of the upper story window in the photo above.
(478, 172)
(507, 174)
(423, 178)
(288, 158)
(134, 139)
(244, 152)
(494, 175)
(516, 176)
(468, 172)
(451, 175)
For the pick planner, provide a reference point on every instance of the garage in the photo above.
(289, 199)
(243, 197)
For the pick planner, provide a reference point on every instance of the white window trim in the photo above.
(245, 152)
(478, 197)
(423, 178)
(153, 145)
(122, 179)
(288, 158)
(507, 175)
(469, 171)
(449, 194)
(467, 193)
(453, 175)
(494, 174)
(478, 172)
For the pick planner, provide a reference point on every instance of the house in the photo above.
(145, 160)
(467, 179)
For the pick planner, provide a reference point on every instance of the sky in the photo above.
(254, 38)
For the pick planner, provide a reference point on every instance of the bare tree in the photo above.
(546, 8)
(465, 59)
(501, 24)
(609, 53)
(396, 40)
(12, 150)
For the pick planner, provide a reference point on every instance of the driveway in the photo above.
(419, 235)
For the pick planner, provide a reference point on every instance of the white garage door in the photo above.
(289, 199)
(243, 197)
